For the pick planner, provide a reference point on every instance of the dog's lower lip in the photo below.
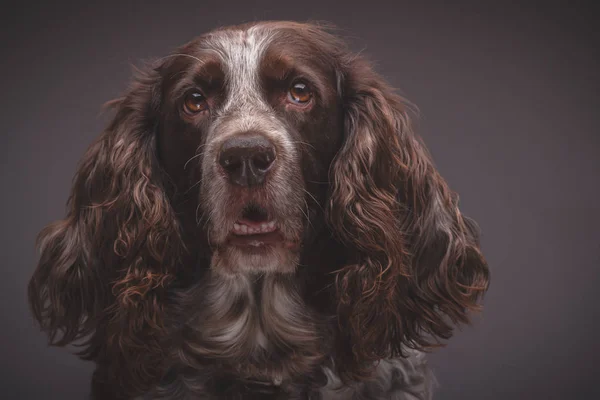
(256, 240)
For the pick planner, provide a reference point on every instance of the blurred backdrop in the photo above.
(509, 98)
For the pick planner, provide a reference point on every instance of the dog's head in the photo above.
(252, 117)
(244, 145)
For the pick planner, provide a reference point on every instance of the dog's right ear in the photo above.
(119, 245)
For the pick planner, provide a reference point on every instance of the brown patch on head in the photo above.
(300, 55)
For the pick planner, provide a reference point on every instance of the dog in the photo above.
(259, 220)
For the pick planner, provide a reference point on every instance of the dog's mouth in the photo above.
(255, 228)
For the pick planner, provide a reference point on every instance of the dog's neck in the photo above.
(254, 326)
(254, 333)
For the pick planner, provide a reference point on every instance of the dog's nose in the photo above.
(246, 158)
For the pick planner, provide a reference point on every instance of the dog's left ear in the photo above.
(416, 266)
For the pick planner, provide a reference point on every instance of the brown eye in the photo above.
(194, 103)
(300, 93)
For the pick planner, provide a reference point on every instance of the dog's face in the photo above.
(253, 123)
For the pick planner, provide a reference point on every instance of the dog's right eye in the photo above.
(194, 103)
(300, 93)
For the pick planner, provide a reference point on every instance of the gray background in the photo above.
(509, 97)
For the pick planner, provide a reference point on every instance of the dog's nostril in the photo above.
(246, 158)
(263, 160)
(231, 163)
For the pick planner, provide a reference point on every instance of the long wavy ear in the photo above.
(415, 267)
(105, 266)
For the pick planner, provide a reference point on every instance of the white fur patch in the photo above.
(241, 53)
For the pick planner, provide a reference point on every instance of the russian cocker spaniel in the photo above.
(259, 220)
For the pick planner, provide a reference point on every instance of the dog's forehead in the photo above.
(240, 50)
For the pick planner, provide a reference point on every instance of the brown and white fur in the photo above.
(359, 262)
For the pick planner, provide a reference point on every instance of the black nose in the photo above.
(246, 158)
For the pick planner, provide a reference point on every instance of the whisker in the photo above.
(191, 158)
(197, 219)
(306, 214)
(180, 55)
(208, 240)
(206, 222)
(312, 197)
(191, 187)
(205, 226)
(326, 287)
(305, 143)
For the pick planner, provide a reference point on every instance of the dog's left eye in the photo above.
(194, 103)
(300, 93)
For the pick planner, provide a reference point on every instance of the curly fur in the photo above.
(381, 268)
(418, 257)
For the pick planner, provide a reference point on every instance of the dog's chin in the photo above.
(255, 248)
(256, 240)
(253, 255)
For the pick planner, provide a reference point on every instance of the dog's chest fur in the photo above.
(255, 327)
(259, 335)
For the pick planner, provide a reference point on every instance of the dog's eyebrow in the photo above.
(206, 73)
(209, 64)
(279, 63)
(276, 66)
(209, 71)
